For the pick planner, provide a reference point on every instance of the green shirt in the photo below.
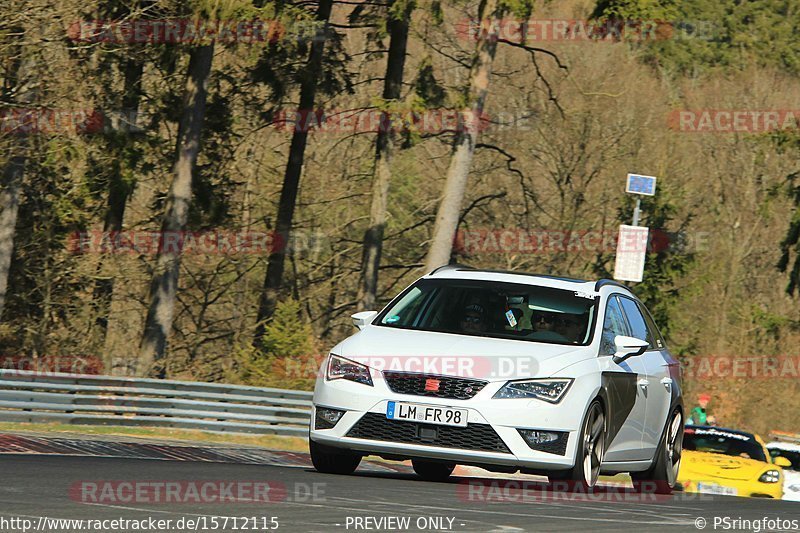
(698, 416)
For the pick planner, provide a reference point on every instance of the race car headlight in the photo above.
(770, 476)
(549, 390)
(341, 368)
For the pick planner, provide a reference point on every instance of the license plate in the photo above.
(429, 414)
(713, 488)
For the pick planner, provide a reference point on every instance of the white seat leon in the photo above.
(505, 371)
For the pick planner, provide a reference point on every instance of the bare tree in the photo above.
(294, 167)
(165, 279)
(398, 26)
(489, 15)
(16, 91)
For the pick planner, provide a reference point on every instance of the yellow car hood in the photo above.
(705, 465)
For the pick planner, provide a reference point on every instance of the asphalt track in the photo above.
(40, 485)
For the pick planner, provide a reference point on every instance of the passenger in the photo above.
(544, 325)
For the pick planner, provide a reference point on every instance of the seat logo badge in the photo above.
(432, 385)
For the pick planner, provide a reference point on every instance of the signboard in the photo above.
(638, 184)
(631, 253)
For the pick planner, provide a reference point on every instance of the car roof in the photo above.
(464, 272)
(788, 446)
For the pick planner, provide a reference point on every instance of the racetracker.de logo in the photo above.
(492, 491)
(48, 365)
(177, 31)
(612, 30)
(186, 491)
(348, 121)
(742, 367)
(733, 120)
(517, 241)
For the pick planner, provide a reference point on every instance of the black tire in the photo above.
(591, 449)
(330, 460)
(662, 476)
(432, 470)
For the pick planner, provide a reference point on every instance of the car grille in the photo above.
(375, 426)
(449, 387)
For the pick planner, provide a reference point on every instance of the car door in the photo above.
(656, 382)
(627, 402)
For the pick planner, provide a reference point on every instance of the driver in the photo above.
(570, 327)
(473, 318)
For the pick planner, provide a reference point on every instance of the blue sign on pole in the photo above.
(638, 184)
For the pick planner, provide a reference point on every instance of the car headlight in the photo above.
(770, 476)
(341, 368)
(550, 390)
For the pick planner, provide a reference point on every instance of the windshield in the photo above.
(792, 456)
(725, 442)
(494, 309)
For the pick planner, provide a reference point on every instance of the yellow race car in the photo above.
(728, 462)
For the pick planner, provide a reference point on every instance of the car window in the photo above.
(652, 329)
(636, 321)
(613, 325)
(494, 309)
(793, 457)
(713, 440)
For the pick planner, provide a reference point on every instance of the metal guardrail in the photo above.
(122, 401)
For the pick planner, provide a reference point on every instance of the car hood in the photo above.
(706, 465)
(385, 348)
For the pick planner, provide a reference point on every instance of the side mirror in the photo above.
(363, 318)
(628, 347)
(782, 461)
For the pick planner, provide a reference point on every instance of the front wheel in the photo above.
(432, 470)
(330, 460)
(591, 449)
(666, 466)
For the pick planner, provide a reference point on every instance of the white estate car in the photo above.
(791, 452)
(505, 371)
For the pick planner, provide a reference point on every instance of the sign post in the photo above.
(632, 240)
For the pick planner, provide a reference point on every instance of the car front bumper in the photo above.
(486, 417)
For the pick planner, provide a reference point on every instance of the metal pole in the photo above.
(637, 211)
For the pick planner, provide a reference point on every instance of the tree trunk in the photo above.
(118, 191)
(9, 208)
(16, 89)
(384, 146)
(464, 145)
(291, 178)
(165, 279)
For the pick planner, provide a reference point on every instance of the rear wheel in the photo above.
(432, 470)
(591, 449)
(664, 472)
(332, 460)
